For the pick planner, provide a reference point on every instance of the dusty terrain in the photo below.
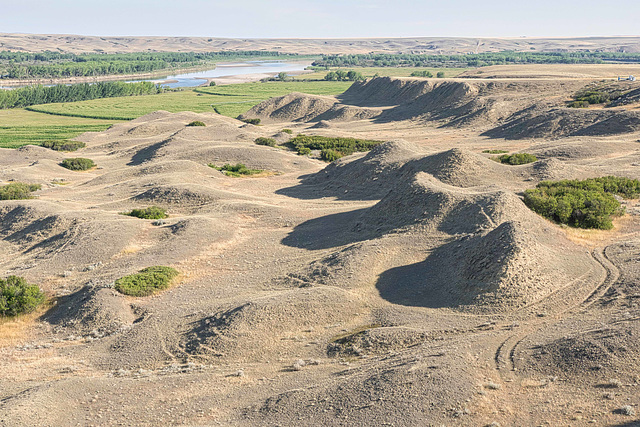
(405, 286)
(435, 45)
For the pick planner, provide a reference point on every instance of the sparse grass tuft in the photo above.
(152, 212)
(18, 297)
(147, 281)
(494, 151)
(251, 121)
(18, 191)
(236, 170)
(196, 123)
(289, 131)
(78, 164)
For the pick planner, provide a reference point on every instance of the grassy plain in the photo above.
(229, 100)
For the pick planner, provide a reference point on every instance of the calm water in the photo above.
(231, 69)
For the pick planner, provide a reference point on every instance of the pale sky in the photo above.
(322, 18)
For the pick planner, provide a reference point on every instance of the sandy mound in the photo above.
(94, 311)
(562, 122)
(373, 175)
(238, 333)
(294, 107)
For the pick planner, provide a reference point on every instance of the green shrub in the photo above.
(265, 141)
(236, 170)
(494, 151)
(516, 159)
(578, 104)
(152, 212)
(338, 146)
(329, 155)
(289, 131)
(421, 73)
(589, 203)
(147, 281)
(77, 164)
(251, 121)
(18, 297)
(304, 151)
(440, 75)
(212, 83)
(18, 191)
(196, 123)
(64, 145)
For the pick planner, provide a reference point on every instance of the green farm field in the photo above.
(41, 123)
(19, 127)
(229, 100)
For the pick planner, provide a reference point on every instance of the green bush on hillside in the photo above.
(339, 146)
(329, 155)
(289, 131)
(251, 121)
(236, 170)
(421, 73)
(18, 297)
(270, 142)
(18, 191)
(494, 151)
(196, 123)
(147, 281)
(77, 164)
(516, 159)
(64, 145)
(440, 75)
(589, 203)
(152, 212)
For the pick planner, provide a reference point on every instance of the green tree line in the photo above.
(473, 60)
(34, 95)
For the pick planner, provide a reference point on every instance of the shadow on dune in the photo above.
(422, 284)
(329, 231)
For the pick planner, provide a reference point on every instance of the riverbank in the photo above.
(159, 75)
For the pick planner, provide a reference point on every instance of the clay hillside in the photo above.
(406, 284)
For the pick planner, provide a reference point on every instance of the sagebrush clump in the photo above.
(147, 281)
(18, 191)
(494, 151)
(236, 170)
(289, 131)
(152, 212)
(516, 159)
(331, 148)
(196, 123)
(64, 145)
(270, 142)
(589, 203)
(78, 164)
(18, 297)
(251, 121)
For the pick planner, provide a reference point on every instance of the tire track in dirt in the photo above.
(505, 353)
